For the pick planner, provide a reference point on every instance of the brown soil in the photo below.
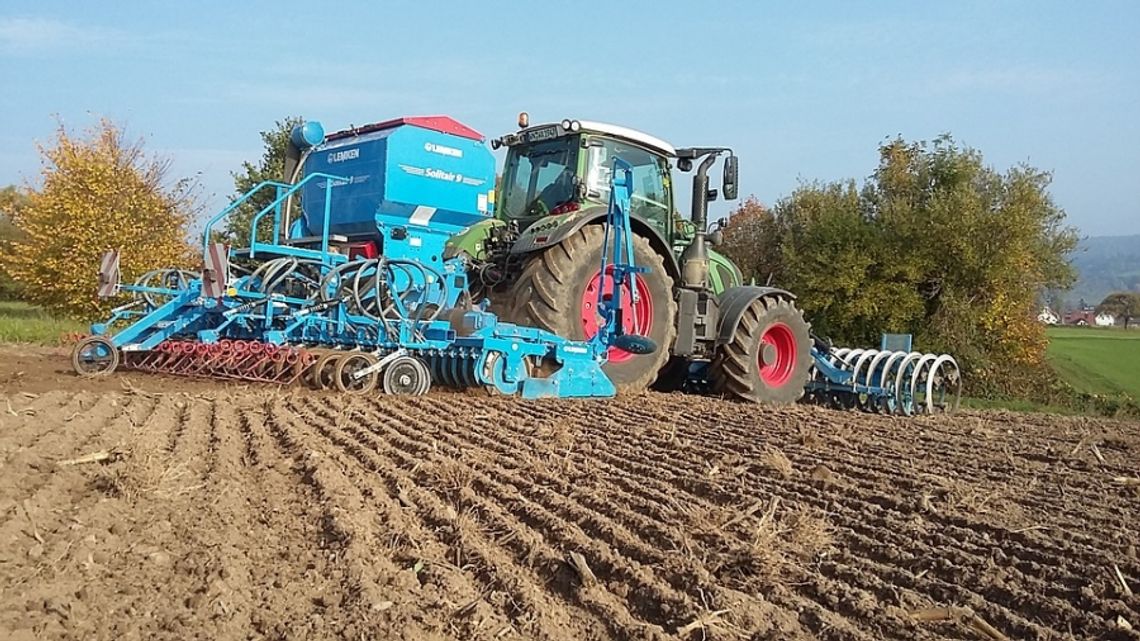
(231, 512)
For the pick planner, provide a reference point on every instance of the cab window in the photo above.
(651, 188)
(540, 177)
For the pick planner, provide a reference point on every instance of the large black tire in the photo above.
(737, 370)
(548, 295)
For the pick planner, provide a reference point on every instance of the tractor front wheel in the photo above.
(558, 291)
(769, 356)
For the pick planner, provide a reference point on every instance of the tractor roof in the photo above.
(642, 138)
(617, 131)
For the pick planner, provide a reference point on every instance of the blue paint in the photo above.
(396, 173)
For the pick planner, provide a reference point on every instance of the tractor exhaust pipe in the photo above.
(695, 258)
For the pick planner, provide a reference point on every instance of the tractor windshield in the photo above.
(540, 177)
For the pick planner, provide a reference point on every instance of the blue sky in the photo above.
(802, 90)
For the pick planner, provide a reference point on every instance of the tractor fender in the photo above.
(735, 300)
(552, 230)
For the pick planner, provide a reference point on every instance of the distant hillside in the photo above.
(1105, 264)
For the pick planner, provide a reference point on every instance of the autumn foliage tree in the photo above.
(98, 192)
(12, 200)
(746, 240)
(935, 244)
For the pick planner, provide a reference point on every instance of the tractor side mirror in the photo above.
(730, 186)
(716, 238)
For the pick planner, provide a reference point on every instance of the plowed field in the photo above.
(222, 512)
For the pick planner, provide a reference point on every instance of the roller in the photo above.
(891, 382)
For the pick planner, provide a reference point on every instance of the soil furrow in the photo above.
(252, 512)
(562, 535)
(860, 521)
(677, 567)
(22, 424)
(858, 491)
(526, 599)
(855, 509)
(630, 545)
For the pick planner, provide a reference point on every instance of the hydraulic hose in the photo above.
(371, 286)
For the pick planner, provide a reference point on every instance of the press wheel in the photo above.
(348, 365)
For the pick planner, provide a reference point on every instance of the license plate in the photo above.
(545, 133)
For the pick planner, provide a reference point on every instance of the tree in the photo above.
(12, 200)
(1124, 305)
(744, 238)
(935, 244)
(98, 192)
(270, 167)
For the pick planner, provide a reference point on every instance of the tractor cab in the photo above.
(563, 168)
(557, 175)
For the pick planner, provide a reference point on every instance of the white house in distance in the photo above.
(1089, 317)
(1105, 320)
(1048, 317)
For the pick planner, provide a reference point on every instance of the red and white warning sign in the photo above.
(109, 274)
(216, 272)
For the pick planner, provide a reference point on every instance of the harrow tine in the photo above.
(941, 384)
(177, 354)
(309, 373)
(873, 367)
(263, 368)
(918, 392)
(902, 392)
(298, 361)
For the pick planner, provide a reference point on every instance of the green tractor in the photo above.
(539, 262)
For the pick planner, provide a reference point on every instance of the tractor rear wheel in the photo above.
(557, 290)
(768, 358)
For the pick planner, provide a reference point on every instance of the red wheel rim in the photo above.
(783, 342)
(638, 316)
